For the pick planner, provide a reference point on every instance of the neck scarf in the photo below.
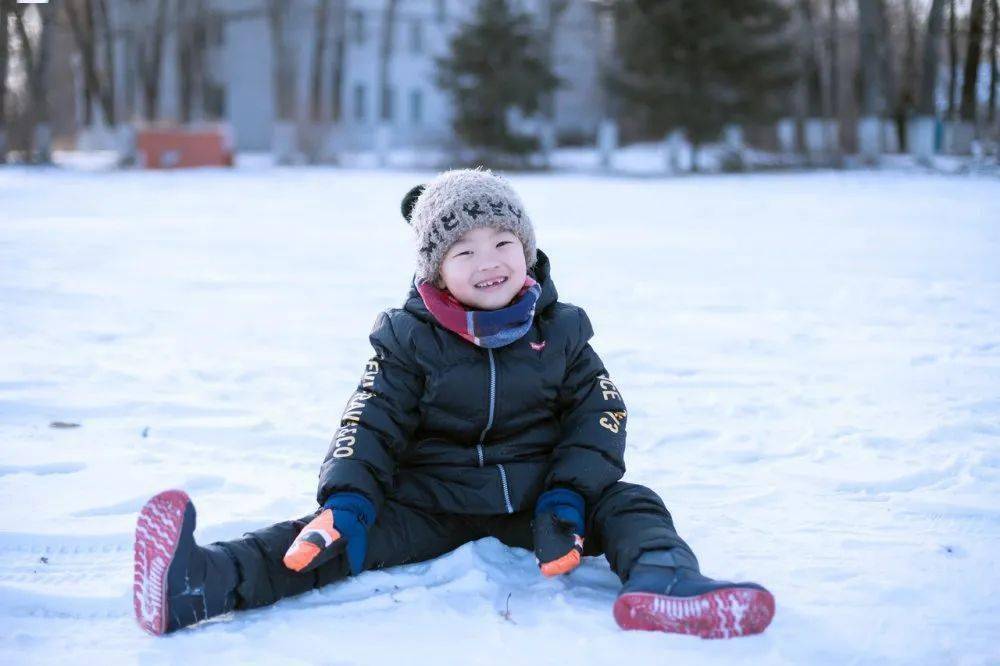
(484, 328)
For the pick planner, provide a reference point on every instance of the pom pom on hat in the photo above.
(410, 200)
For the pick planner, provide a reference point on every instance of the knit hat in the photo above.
(456, 202)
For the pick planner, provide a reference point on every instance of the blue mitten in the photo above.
(341, 526)
(558, 531)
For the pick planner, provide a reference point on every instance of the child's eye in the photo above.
(459, 254)
(503, 243)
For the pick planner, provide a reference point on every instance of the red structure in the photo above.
(183, 147)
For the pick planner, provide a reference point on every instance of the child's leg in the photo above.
(625, 522)
(178, 583)
(400, 535)
(629, 520)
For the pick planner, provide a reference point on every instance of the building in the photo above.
(240, 57)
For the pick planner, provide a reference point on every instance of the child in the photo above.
(484, 412)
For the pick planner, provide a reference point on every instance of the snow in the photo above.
(811, 363)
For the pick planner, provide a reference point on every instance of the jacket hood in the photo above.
(540, 272)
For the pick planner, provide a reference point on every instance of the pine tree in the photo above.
(496, 62)
(700, 64)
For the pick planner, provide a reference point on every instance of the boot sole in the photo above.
(157, 533)
(724, 613)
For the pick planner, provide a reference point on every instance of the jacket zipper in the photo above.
(493, 398)
(506, 489)
(489, 424)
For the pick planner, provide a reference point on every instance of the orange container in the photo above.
(183, 147)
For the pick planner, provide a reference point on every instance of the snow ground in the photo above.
(811, 364)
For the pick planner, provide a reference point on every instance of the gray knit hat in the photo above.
(456, 202)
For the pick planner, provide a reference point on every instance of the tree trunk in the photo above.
(810, 66)
(872, 71)
(339, 61)
(952, 59)
(907, 100)
(108, 80)
(36, 59)
(554, 10)
(994, 22)
(191, 31)
(4, 45)
(928, 80)
(78, 15)
(834, 54)
(973, 51)
(318, 59)
(283, 66)
(385, 53)
(150, 60)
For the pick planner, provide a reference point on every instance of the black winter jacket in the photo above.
(444, 425)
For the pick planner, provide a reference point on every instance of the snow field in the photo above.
(811, 364)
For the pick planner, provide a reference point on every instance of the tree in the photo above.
(967, 110)
(35, 57)
(928, 81)
(91, 27)
(150, 56)
(700, 64)
(5, 8)
(192, 44)
(994, 25)
(321, 29)
(386, 45)
(952, 59)
(876, 69)
(283, 71)
(496, 63)
(339, 60)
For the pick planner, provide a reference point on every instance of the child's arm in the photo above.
(357, 473)
(587, 459)
(379, 420)
(590, 455)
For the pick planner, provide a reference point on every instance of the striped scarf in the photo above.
(484, 328)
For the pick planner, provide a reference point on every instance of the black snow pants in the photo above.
(625, 522)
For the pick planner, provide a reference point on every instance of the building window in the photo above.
(358, 26)
(387, 103)
(442, 11)
(416, 36)
(359, 102)
(416, 107)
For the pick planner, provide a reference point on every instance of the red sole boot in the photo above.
(723, 613)
(157, 535)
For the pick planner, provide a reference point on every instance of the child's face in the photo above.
(481, 255)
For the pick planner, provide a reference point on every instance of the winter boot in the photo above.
(680, 600)
(178, 582)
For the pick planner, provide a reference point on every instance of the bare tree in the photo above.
(103, 20)
(952, 58)
(872, 46)
(150, 54)
(833, 49)
(385, 55)
(91, 31)
(928, 81)
(339, 60)
(972, 54)
(994, 23)
(554, 9)
(283, 61)
(813, 88)
(5, 7)
(35, 57)
(321, 27)
(192, 42)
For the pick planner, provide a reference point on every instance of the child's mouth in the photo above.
(490, 285)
